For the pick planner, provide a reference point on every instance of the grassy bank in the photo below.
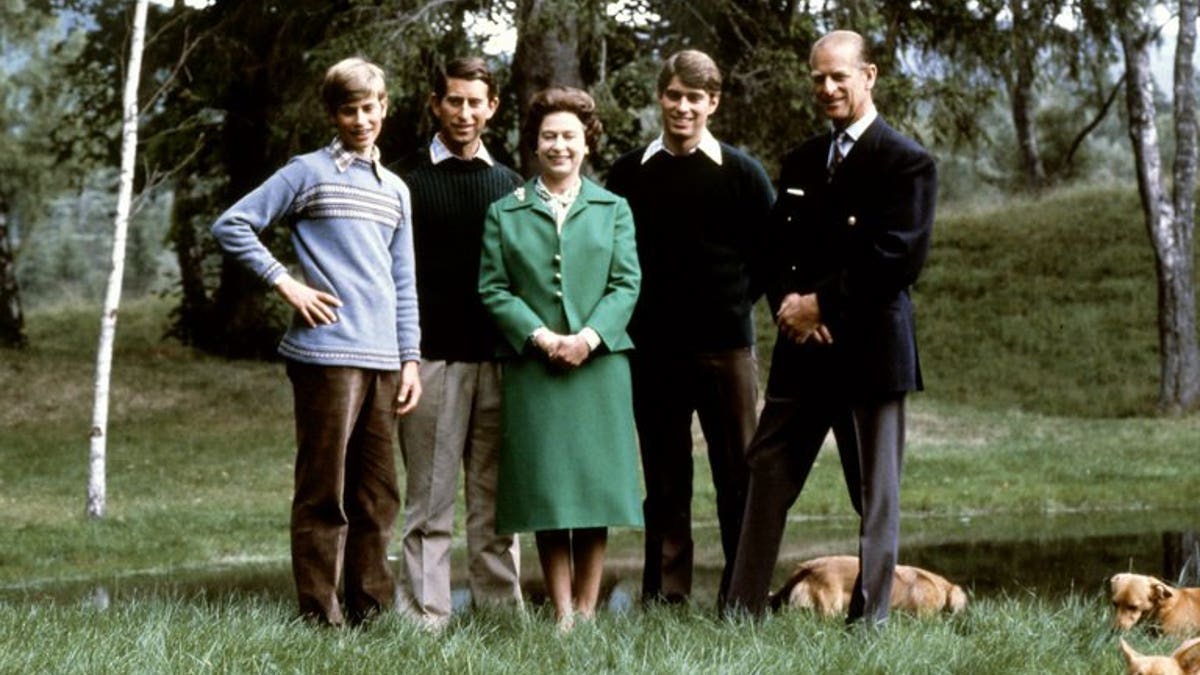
(1039, 346)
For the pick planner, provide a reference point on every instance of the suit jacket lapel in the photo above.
(861, 152)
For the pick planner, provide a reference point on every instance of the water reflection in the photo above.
(1043, 555)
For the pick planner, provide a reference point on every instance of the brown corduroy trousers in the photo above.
(346, 497)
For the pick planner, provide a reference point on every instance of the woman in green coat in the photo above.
(559, 274)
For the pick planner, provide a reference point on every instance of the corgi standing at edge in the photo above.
(1138, 596)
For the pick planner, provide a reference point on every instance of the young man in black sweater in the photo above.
(452, 182)
(700, 208)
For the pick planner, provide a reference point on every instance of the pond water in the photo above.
(1043, 555)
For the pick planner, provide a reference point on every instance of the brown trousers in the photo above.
(346, 497)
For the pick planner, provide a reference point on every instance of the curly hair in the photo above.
(563, 99)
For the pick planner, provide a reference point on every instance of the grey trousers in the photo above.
(870, 439)
(457, 423)
(346, 498)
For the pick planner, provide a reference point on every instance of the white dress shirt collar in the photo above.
(855, 130)
(708, 145)
(438, 152)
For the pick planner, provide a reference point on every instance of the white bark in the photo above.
(97, 496)
(1169, 222)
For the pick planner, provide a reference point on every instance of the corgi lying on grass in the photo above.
(824, 584)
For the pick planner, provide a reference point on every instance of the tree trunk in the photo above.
(97, 496)
(243, 323)
(1172, 245)
(191, 322)
(547, 54)
(1023, 98)
(1181, 385)
(1181, 558)
(12, 319)
(1025, 122)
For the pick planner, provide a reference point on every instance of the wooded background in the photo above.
(1011, 96)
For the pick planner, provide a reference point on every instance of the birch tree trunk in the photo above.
(1182, 388)
(97, 490)
(1024, 46)
(1169, 222)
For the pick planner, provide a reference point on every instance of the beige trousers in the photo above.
(456, 423)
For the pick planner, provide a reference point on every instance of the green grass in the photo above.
(1047, 306)
(252, 634)
(1039, 345)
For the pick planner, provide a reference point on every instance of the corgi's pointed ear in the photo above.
(1160, 591)
(1130, 653)
(1188, 656)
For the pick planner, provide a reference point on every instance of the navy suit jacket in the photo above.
(858, 240)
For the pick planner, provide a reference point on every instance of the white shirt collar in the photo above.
(438, 152)
(708, 145)
(855, 130)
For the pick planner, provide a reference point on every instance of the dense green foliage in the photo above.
(229, 95)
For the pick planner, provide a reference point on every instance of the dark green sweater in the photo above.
(700, 237)
(450, 200)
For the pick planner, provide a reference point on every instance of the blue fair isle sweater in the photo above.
(352, 233)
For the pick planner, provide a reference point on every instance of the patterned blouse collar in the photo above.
(559, 204)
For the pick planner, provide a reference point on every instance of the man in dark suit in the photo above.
(852, 223)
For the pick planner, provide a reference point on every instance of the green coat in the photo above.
(529, 277)
(569, 451)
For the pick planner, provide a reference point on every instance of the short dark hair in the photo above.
(463, 68)
(564, 99)
(350, 80)
(694, 69)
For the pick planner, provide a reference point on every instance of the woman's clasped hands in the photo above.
(566, 351)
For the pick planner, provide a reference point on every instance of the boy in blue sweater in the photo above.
(352, 349)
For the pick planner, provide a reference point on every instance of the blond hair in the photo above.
(352, 79)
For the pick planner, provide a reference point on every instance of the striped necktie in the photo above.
(838, 156)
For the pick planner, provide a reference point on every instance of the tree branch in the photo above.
(1103, 112)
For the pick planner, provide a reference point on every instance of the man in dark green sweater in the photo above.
(452, 182)
(700, 208)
